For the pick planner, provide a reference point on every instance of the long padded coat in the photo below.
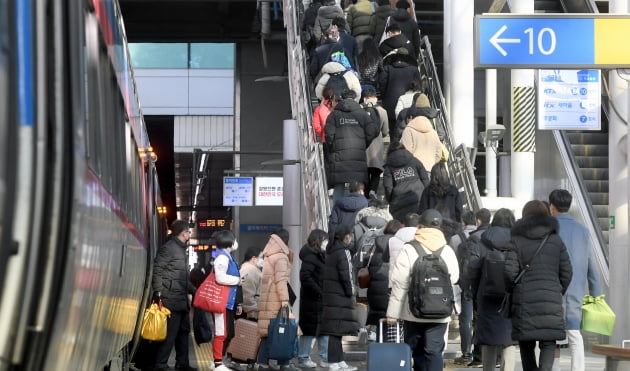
(537, 299)
(311, 280)
(349, 131)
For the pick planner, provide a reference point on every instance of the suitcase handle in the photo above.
(381, 323)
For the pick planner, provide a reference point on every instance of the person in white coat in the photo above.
(425, 336)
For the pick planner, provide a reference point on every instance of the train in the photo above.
(81, 214)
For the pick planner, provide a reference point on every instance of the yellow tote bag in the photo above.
(597, 316)
(154, 322)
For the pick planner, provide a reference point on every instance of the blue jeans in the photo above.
(263, 354)
(306, 344)
(465, 325)
(427, 343)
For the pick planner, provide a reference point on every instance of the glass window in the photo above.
(4, 107)
(159, 55)
(212, 56)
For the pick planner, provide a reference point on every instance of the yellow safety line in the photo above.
(203, 354)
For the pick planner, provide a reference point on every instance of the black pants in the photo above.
(528, 356)
(177, 334)
(374, 178)
(335, 350)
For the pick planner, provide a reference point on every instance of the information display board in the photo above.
(238, 191)
(269, 191)
(569, 99)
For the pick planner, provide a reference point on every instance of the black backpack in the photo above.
(465, 251)
(492, 273)
(337, 82)
(430, 292)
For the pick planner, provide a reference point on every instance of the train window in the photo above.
(93, 116)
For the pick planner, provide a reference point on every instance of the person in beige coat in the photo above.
(422, 141)
(251, 281)
(274, 293)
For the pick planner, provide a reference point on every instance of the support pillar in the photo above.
(491, 120)
(291, 198)
(462, 91)
(523, 131)
(619, 194)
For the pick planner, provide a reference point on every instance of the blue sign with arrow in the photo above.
(534, 42)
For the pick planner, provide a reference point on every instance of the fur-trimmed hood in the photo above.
(535, 227)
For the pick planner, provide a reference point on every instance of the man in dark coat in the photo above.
(404, 180)
(395, 39)
(349, 131)
(349, 43)
(408, 25)
(379, 19)
(322, 53)
(172, 283)
(537, 313)
(338, 296)
(394, 80)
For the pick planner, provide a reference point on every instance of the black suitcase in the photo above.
(390, 356)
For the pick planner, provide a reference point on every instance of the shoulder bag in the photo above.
(505, 310)
(211, 296)
(363, 275)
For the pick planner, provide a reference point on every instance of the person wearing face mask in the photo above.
(338, 298)
(251, 271)
(312, 256)
(226, 271)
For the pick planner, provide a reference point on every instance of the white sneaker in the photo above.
(346, 367)
(323, 364)
(334, 367)
(372, 336)
(307, 364)
(222, 368)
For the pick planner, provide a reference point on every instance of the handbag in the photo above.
(203, 329)
(505, 309)
(212, 296)
(597, 316)
(154, 322)
(283, 336)
(363, 275)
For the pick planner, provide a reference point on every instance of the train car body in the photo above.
(78, 189)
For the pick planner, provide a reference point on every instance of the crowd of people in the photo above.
(364, 66)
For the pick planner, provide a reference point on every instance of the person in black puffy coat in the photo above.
(349, 131)
(404, 179)
(394, 79)
(313, 260)
(441, 195)
(492, 331)
(537, 314)
(338, 296)
(378, 290)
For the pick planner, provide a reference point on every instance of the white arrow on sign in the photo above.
(496, 42)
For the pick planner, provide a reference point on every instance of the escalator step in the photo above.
(601, 211)
(580, 137)
(589, 150)
(598, 198)
(594, 174)
(600, 162)
(596, 185)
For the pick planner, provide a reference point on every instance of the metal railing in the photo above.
(459, 165)
(315, 195)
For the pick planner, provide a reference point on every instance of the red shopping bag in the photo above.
(212, 296)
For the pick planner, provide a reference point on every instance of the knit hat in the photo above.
(431, 218)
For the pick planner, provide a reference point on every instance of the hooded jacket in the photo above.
(378, 290)
(378, 21)
(431, 240)
(409, 28)
(393, 43)
(251, 288)
(325, 16)
(275, 278)
(396, 244)
(311, 283)
(422, 141)
(333, 67)
(359, 16)
(344, 212)
(537, 312)
(404, 179)
(349, 131)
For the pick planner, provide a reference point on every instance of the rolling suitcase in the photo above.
(244, 345)
(390, 356)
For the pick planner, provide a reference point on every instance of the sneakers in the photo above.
(343, 366)
(307, 364)
(465, 359)
(475, 364)
(372, 336)
(324, 364)
(363, 336)
(289, 367)
(222, 368)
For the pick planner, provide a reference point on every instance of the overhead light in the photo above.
(280, 162)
